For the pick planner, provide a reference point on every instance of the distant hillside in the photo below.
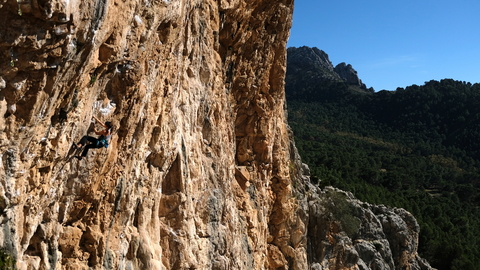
(417, 148)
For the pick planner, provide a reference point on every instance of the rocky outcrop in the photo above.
(313, 61)
(358, 235)
(349, 75)
(345, 233)
(315, 66)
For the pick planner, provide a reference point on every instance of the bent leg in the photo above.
(94, 144)
(85, 150)
(86, 139)
(92, 139)
(83, 140)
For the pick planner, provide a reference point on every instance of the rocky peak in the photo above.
(314, 64)
(349, 75)
(312, 60)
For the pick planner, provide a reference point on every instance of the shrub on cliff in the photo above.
(6, 261)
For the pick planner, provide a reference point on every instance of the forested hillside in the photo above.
(417, 148)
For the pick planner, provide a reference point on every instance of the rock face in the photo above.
(201, 172)
(197, 172)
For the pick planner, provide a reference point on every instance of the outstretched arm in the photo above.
(98, 121)
(100, 132)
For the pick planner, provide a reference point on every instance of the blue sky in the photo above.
(394, 43)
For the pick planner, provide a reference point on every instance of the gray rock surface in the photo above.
(315, 65)
(349, 75)
(346, 233)
(313, 60)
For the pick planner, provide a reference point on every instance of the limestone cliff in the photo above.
(201, 172)
(197, 173)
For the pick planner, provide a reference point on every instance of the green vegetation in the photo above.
(343, 211)
(93, 78)
(417, 148)
(19, 8)
(6, 261)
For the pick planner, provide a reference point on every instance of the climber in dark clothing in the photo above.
(99, 142)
